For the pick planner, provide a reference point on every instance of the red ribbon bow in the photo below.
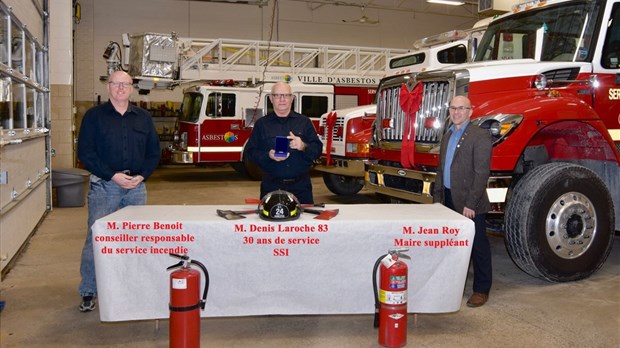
(410, 104)
(330, 122)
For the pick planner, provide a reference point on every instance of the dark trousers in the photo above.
(481, 250)
(301, 188)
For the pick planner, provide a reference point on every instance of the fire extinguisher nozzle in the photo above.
(376, 320)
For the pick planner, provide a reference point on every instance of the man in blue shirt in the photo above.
(119, 145)
(460, 184)
(292, 171)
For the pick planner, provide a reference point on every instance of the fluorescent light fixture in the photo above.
(447, 2)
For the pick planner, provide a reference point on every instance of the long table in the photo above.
(257, 267)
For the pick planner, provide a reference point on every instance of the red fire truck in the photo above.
(216, 121)
(546, 84)
(229, 81)
(348, 131)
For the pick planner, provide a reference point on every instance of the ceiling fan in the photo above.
(363, 19)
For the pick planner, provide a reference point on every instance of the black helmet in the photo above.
(279, 205)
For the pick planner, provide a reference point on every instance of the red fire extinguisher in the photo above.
(391, 299)
(185, 302)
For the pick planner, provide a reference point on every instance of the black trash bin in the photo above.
(70, 186)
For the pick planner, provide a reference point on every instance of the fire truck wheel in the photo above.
(343, 185)
(558, 222)
(248, 169)
(253, 170)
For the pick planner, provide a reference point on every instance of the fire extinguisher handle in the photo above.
(184, 259)
(400, 253)
(179, 264)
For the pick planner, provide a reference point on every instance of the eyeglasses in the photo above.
(279, 96)
(118, 84)
(459, 108)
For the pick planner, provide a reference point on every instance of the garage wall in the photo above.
(24, 117)
(61, 83)
(26, 161)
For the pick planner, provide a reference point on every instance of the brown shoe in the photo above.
(477, 299)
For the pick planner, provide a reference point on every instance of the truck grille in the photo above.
(431, 118)
(337, 132)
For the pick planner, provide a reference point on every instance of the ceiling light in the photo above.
(447, 2)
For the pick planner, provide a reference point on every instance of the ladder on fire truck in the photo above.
(245, 59)
(252, 60)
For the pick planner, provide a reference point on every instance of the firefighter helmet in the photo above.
(279, 205)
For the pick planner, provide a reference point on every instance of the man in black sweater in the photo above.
(291, 171)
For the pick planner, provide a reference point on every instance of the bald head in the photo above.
(461, 100)
(281, 87)
(460, 110)
(281, 98)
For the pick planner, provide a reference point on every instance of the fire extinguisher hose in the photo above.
(375, 290)
(203, 302)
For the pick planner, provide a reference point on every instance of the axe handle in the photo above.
(317, 212)
(242, 212)
(312, 211)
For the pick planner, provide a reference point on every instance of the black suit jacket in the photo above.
(469, 172)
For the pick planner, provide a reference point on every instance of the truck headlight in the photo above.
(182, 141)
(358, 148)
(499, 126)
(540, 82)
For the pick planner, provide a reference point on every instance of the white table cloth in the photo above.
(326, 267)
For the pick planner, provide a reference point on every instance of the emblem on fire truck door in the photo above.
(229, 137)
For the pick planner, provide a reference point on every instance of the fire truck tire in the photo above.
(252, 169)
(247, 169)
(558, 222)
(343, 185)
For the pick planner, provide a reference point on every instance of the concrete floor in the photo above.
(41, 294)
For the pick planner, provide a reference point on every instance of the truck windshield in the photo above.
(412, 59)
(190, 109)
(562, 32)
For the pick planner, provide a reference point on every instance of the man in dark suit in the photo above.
(462, 175)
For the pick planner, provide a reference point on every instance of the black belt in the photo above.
(288, 181)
